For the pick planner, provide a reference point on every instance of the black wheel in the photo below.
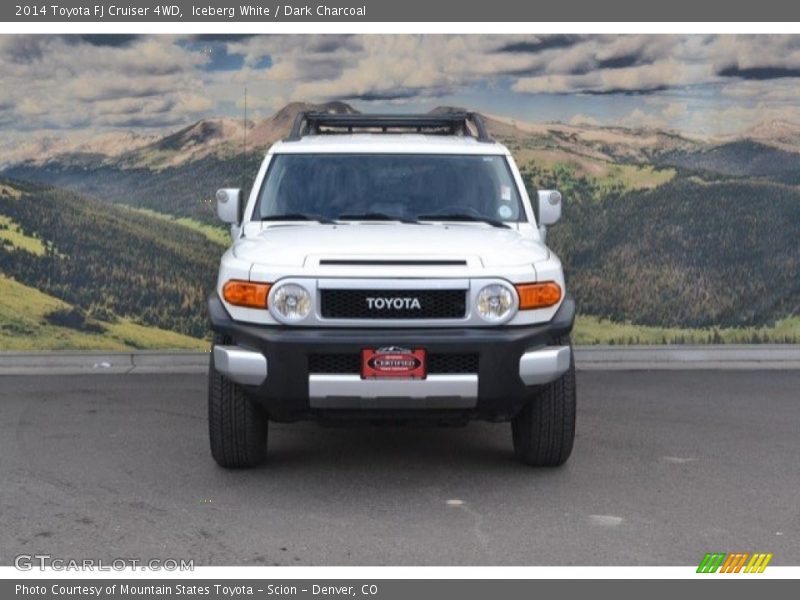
(544, 430)
(237, 426)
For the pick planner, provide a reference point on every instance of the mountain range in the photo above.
(192, 162)
(226, 136)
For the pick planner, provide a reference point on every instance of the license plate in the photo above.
(393, 361)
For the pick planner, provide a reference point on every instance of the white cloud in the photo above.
(63, 82)
(737, 118)
(633, 79)
(675, 110)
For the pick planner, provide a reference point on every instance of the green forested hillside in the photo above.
(689, 261)
(108, 262)
(685, 254)
(741, 158)
(591, 330)
(184, 190)
(31, 320)
(676, 242)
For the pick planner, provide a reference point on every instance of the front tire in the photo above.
(237, 426)
(544, 431)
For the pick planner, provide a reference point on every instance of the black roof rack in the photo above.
(455, 123)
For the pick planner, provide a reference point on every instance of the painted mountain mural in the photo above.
(671, 233)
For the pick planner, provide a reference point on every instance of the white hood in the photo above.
(292, 245)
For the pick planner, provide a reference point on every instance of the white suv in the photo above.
(390, 266)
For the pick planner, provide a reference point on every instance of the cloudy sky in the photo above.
(705, 84)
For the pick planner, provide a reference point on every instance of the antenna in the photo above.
(244, 143)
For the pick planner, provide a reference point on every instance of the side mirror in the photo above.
(549, 205)
(229, 201)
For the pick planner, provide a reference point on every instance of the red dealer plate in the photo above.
(393, 361)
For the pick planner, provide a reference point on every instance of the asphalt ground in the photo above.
(667, 465)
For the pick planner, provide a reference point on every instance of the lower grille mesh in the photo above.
(452, 363)
(334, 363)
(438, 363)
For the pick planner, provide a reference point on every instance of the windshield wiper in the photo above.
(299, 217)
(374, 216)
(463, 217)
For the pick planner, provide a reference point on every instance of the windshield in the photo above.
(399, 186)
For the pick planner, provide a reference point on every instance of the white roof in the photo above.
(388, 143)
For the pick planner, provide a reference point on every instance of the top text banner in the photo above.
(464, 11)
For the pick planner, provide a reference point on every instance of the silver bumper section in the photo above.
(249, 367)
(544, 365)
(240, 365)
(351, 391)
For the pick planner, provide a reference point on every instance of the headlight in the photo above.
(495, 303)
(291, 301)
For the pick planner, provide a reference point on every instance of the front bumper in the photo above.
(273, 365)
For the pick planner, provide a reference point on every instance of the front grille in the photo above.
(393, 304)
(351, 363)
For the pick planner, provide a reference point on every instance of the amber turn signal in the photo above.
(538, 295)
(246, 293)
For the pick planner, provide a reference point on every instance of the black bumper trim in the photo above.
(284, 394)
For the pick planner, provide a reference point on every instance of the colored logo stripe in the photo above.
(711, 562)
(758, 563)
(734, 562)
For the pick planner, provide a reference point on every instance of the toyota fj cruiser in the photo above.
(390, 266)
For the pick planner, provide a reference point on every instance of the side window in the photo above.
(500, 190)
(273, 181)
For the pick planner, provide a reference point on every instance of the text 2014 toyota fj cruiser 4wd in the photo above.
(390, 266)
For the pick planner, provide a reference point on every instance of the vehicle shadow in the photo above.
(373, 447)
